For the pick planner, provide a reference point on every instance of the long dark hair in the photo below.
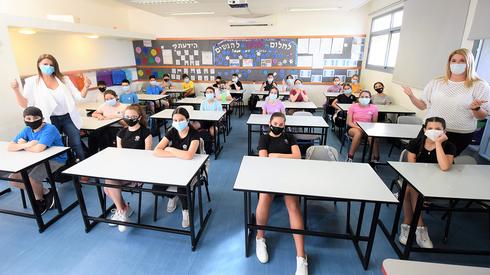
(423, 137)
(181, 111)
(137, 108)
(56, 66)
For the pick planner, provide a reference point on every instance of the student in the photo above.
(277, 144)
(346, 97)
(356, 87)
(154, 89)
(112, 108)
(288, 83)
(272, 103)
(211, 103)
(336, 87)
(102, 86)
(222, 92)
(432, 147)
(298, 93)
(269, 83)
(380, 98)
(35, 138)
(127, 97)
(217, 81)
(235, 83)
(180, 141)
(363, 111)
(167, 84)
(135, 136)
(188, 86)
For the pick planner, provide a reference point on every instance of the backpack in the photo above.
(341, 119)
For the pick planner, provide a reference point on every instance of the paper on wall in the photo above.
(211, 71)
(147, 43)
(318, 61)
(206, 78)
(316, 78)
(337, 46)
(314, 45)
(199, 77)
(177, 62)
(325, 45)
(328, 73)
(207, 58)
(173, 71)
(305, 73)
(303, 45)
(305, 61)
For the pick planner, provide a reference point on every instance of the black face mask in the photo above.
(379, 90)
(102, 89)
(166, 80)
(131, 121)
(277, 130)
(34, 124)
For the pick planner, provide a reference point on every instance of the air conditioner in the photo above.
(257, 21)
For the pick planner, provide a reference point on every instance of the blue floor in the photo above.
(65, 248)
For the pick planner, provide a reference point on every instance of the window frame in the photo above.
(390, 31)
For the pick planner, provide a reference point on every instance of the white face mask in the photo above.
(234, 79)
(457, 68)
(270, 80)
(433, 134)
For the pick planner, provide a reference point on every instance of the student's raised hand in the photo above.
(407, 90)
(440, 139)
(86, 81)
(477, 103)
(14, 85)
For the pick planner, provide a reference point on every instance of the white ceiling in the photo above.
(255, 7)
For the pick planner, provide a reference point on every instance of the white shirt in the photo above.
(59, 97)
(451, 101)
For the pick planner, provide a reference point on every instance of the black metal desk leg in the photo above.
(372, 232)
(32, 199)
(246, 215)
(249, 140)
(191, 217)
(81, 201)
(52, 183)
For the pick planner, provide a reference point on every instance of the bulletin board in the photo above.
(315, 59)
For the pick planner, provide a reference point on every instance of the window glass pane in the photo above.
(377, 50)
(395, 39)
(397, 19)
(381, 23)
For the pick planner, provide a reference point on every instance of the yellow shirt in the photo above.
(356, 88)
(188, 86)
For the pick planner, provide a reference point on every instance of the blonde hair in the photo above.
(471, 76)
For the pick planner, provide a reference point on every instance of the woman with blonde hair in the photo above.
(460, 97)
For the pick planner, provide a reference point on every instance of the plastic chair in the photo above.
(305, 138)
(413, 120)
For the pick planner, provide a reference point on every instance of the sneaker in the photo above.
(301, 266)
(49, 199)
(41, 206)
(404, 229)
(172, 204)
(422, 237)
(114, 216)
(185, 218)
(124, 217)
(261, 250)
(348, 160)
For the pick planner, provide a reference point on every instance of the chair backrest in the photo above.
(322, 152)
(403, 156)
(409, 120)
(302, 113)
(465, 160)
(189, 108)
(202, 148)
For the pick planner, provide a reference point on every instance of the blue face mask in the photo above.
(111, 102)
(273, 96)
(298, 86)
(125, 88)
(180, 125)
(290, 81)
(457, 68)
(364, 101)
(209, 96)
(348, 92)
(46, 69)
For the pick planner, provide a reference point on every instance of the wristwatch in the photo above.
(476, 109)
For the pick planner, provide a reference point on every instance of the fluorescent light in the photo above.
(63, 18)
(192, 13)
(313, 9)
(92, 36)
(154, 2)
(27, 31)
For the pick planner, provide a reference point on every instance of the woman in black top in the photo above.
(277, 144)
(432, 147)
(135, 136)
(181, 141)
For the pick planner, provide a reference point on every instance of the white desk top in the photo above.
(401, 267)
(91, 106)
(198, 100)
(255, 92)
(355, 181)
(138, 165)
(302, 121)
(390, 130)
(175, 91)
(331, 94)
(461, 182)
(292, 105)
(396, 109)
(147, 97)
(13, 162)
(92, 123)
(194, 115)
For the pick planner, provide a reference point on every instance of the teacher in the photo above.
(55, 95)
(460, 97)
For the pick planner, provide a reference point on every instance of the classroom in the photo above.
(245, 137)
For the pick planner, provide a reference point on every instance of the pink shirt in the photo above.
(112, 111)
(362, 114)
(270, 108)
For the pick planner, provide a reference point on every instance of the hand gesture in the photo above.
(86, 81)
(407, 90)
(477, 103)
(14, 85)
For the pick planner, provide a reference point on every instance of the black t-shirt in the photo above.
(133, 139)
(238, 83)
(346, 99)
(182, 144)
(268, 86)
(281, 144)
(415, 145)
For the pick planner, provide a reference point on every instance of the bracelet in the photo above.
(476, 109)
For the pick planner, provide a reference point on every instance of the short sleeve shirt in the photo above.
(133, 139)
(362, 114)
(48, 135)
(416, 146)
(281, 144)
(181, 143)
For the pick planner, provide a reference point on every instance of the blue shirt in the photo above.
(153, 90)
(213, 106)
(48, 136)
(128, 98)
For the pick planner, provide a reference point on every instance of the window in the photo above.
(384, 40)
